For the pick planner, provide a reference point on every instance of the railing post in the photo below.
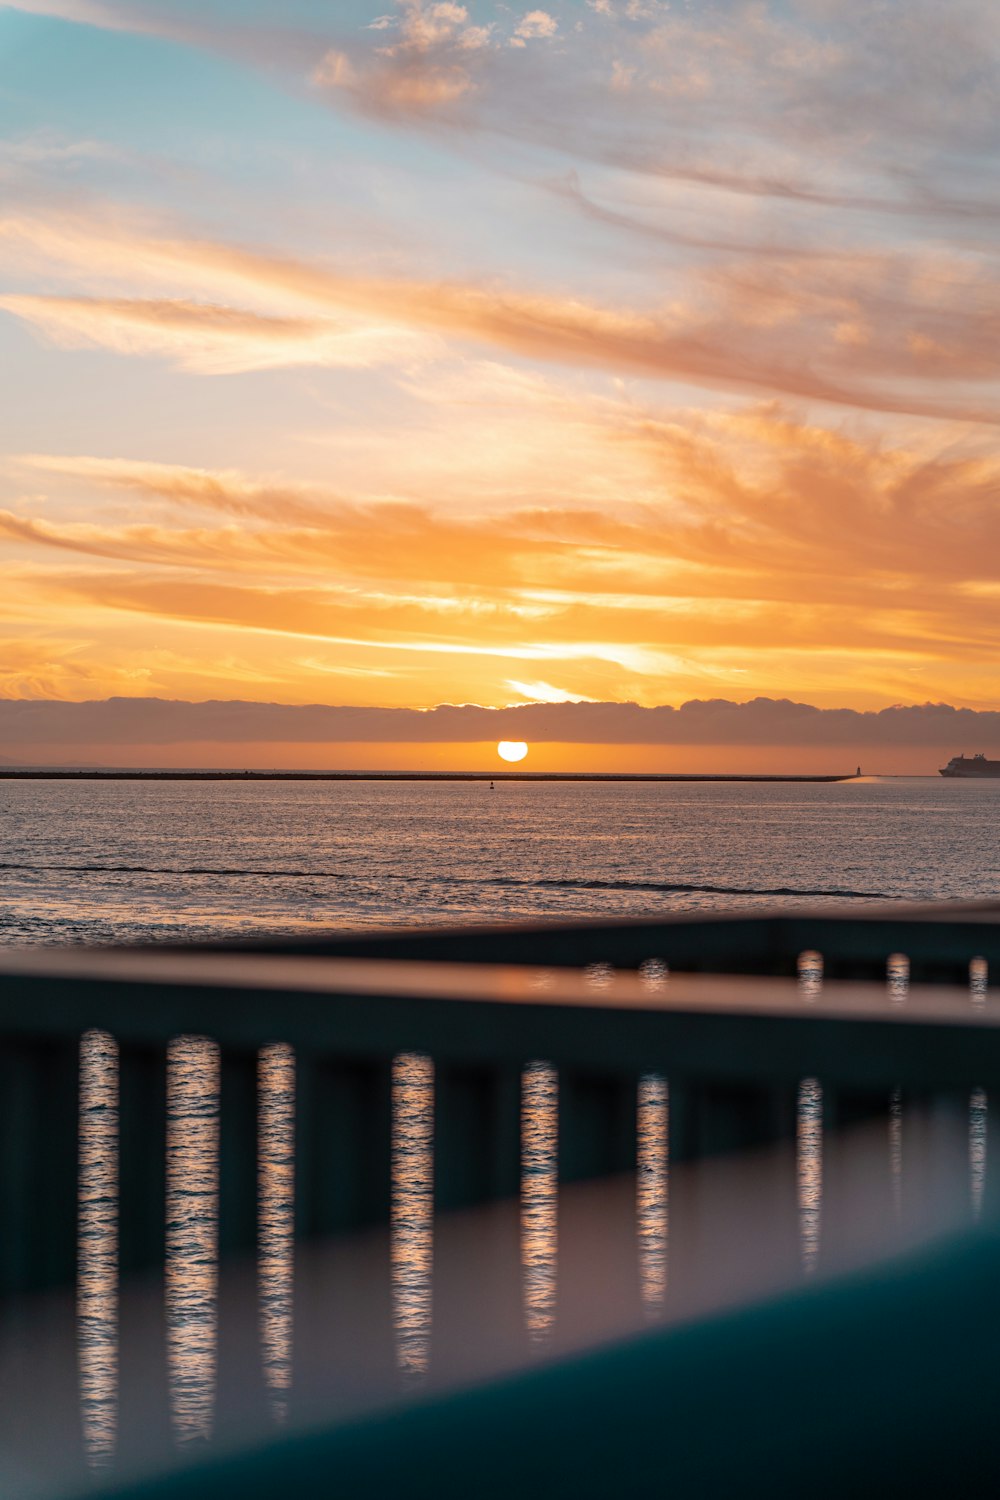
(19, 1108)
(241, 1398)
(144, 1430)
(55, 1249)
(597, 1125)
(598, 1260)
(142, 1158)
(238, 1153)
(16, 1125)
(343, 1186)
(39, 1178)
(478, 1312)
(39, 1161)
(343, 1145)
(734, 1220)
(477, 1135)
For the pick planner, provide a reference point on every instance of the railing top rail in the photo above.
(498, 984)
(939, 938)
(740, 1028)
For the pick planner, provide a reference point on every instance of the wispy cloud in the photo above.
(757, 505)
(104, 16)
(210, 339)
(886, 110)
(866, 331)
(760, 521)
(821, 104)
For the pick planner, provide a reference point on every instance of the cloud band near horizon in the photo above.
(717, 722)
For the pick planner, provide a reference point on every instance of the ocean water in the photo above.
(124, 861)
(101, 862)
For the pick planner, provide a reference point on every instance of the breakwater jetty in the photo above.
(44, 773)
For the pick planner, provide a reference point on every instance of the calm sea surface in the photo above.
(125, 861)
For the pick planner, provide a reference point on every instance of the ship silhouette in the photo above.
(977, 766)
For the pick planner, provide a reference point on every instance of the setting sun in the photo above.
(512, 749)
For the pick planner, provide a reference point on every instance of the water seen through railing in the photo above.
(192, 1234)
(276, 1188)
(652, 1189)
(539, 1199)
(979, 975)
(412, 1211)
(810, 971)
(97, 1283)
(810, 1169)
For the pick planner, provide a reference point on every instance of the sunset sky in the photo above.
(392, 355)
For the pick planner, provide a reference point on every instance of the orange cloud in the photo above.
(770, 540)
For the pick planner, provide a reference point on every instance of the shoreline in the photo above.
(56, 774)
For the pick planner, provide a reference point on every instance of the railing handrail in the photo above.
(939, 939)
(735, 1028)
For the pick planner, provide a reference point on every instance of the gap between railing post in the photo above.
(144, 1430)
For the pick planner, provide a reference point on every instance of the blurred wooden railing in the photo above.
(911, 1035)
(938, 940)
(733, 1047)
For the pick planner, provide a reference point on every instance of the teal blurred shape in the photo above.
(881, 1384)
